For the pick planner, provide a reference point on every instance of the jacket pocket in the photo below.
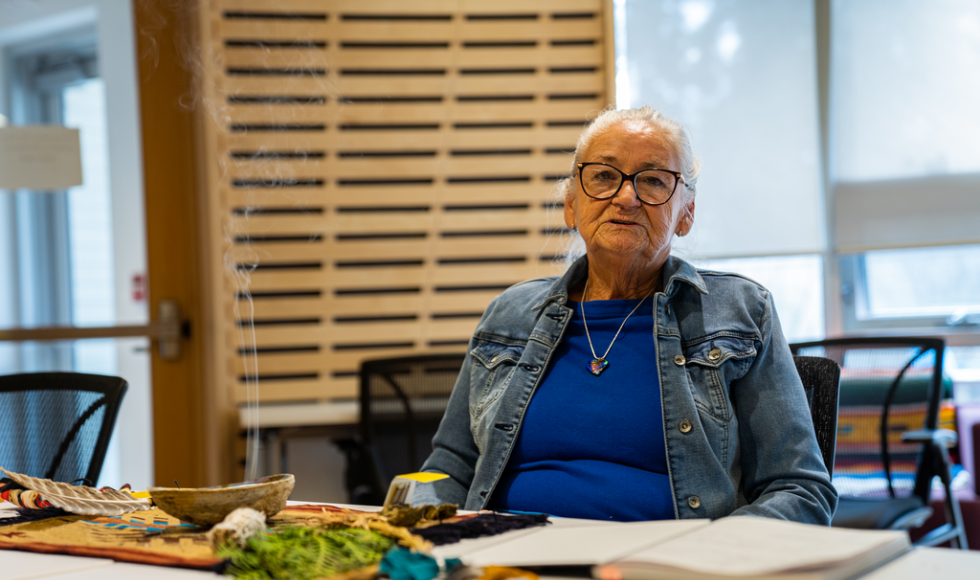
(713, 363)
(493, 365)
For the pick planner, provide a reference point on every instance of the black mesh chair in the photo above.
(402, 401)
(58, 425)
(821, 381)
(889, 447)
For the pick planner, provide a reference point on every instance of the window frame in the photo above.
(853, 292)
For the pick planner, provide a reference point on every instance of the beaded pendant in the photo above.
(597, 365)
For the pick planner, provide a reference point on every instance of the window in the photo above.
(741, 76)
(931, 287)
(75, 64)
(64, 239)
(90, 227)
(962, 364)
(905, 104)
(63, 271)
(796, 286)
(907, 162)
(890, 153)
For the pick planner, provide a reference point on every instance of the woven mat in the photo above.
(143, 537)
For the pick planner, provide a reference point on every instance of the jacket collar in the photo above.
(675, 270)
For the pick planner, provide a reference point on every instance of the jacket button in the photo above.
(685, 426)
(714, 354)
(694, 502)
(679, 360)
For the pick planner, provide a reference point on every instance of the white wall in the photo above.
(30, 22)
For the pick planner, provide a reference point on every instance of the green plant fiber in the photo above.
(302, 553)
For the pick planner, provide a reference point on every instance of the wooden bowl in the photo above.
(206, 506)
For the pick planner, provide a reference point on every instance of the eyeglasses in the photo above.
(652, 186)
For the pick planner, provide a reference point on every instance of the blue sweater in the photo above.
(593, 447)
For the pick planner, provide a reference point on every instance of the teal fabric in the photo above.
(404, 564)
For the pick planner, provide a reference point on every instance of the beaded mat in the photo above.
(143, 537)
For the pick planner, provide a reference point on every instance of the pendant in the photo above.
(597, 365)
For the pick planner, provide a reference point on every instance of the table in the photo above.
(919, 564)
(278, 423)
(281, 415)
(928, 563)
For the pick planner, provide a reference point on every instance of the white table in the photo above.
(919, 564)
(930, 563)
(278, 423)
(24, 565)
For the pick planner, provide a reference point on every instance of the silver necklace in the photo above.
(600, 363)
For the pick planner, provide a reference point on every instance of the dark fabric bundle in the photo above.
(479, 526)
(33, 515)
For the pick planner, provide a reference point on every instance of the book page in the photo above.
(468, 546)
(463, 548)
(585, 545)
(749, 546)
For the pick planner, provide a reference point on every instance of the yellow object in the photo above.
(140, 494)
(862, 425)
(424, 477)
(504, 572)
(403, 487)
(947, 415)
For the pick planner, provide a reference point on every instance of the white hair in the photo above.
(676, 135)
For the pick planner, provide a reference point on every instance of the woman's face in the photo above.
(622, 227)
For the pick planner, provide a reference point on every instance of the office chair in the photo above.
(402, 402)
(396, 437)
(889, 448)
(821, 381)
(58, 425)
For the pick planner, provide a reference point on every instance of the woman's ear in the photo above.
(570, 210)
(686, 221)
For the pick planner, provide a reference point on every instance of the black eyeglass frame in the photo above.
(632, 179)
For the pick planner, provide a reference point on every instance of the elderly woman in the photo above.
(634, 387)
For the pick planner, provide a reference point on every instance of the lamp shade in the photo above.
(41, 157)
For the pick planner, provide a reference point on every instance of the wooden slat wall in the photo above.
(383, 169)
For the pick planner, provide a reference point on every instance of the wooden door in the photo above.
(193, 428)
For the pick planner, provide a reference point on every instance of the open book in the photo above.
(729, 548)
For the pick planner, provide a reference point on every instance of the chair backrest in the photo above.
(58, 425)
(821, 381)
(402, 402)
(888, 385)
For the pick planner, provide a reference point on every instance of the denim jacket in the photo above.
(737, 427)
